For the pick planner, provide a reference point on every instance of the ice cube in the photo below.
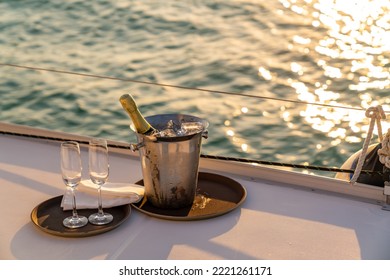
(191, 127)
(169, 130)
(186, 128)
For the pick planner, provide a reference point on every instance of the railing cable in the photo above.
(179, 87)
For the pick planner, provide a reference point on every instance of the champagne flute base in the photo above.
(72, 222)
(100, 219)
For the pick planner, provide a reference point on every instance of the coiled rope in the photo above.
(376, 114)
(384, 151)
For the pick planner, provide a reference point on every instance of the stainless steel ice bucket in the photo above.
(170, 164)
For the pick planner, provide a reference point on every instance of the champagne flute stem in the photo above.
(100, 207)
(75, 216)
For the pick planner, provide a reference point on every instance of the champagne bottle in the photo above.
(141, 125)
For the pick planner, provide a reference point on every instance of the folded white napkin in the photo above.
(113, 194)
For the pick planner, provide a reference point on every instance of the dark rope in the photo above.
(292, 165)
(60, 139)
(224, 158)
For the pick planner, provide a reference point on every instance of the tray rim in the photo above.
(77, 232)
(201, 217)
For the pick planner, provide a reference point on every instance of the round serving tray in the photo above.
(48, 217)
(216, 195)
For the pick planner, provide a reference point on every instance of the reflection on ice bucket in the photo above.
(170, 164)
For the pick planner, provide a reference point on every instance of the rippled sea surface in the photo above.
(307, 51)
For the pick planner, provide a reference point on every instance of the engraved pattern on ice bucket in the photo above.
(170, 164)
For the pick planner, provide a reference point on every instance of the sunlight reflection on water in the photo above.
(358, 34)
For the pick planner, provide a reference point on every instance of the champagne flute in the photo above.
(98, 172)
(71, 174)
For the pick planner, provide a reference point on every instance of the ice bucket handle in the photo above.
(205, 134)
(136, 147)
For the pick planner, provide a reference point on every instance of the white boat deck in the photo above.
(286, 215)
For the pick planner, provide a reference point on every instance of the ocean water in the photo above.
(330, 52)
